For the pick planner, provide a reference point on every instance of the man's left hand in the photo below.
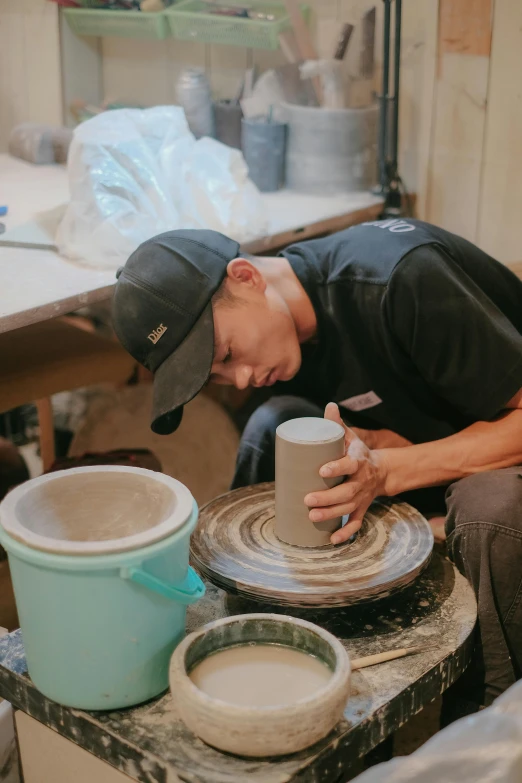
(365, 479)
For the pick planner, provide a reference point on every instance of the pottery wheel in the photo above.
(235, 548)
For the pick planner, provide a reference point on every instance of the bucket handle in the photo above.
(190, 590)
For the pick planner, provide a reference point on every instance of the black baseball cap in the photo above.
(162, 314)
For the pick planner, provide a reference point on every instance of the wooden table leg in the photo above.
(46, 421)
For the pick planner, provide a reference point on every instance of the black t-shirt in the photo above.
(419, 331)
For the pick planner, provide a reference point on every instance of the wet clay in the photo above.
(257, 685)
(303, 446)
(95, 506)
(260, 675)
(96, 510)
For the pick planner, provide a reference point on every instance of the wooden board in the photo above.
(458, 139)
(465, 26)
(501, 192)
(464, 41)
(418, 93)
(235, 547)
(46, 358)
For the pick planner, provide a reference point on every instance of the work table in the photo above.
(38, 284)
(151, 744)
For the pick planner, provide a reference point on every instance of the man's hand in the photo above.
(365, 479)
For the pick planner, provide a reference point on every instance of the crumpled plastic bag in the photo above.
(482, 748)
(137, 173)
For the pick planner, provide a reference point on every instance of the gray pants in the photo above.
(484, 540)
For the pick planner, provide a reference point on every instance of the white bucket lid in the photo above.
(96, 510)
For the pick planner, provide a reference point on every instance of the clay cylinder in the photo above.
(303, 446)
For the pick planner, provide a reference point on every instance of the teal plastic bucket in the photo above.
(99, 629)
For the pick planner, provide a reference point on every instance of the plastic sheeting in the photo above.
(482, 748)
(137, 173)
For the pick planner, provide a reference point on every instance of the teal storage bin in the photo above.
(99, 630)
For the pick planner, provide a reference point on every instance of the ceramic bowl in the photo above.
(260, 731)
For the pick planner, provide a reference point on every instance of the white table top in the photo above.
(40, 284)
(36, 284)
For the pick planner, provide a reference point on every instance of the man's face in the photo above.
(256, 342)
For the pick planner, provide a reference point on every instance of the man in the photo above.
(407, 332)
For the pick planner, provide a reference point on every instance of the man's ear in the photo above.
(242, 272)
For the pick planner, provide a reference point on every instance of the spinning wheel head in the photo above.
(235, 547)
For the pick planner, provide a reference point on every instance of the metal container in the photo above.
(264, 145)
(330, 151)
(228, 115)
(194, 96)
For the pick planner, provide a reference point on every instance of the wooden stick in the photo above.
(371, 660)
(46, 422)
(344, 40)
(302, 33)
(304, 40)
(288, 45)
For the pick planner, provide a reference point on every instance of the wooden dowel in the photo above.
(391, 655)
(46, 421)
(289, 47)
(304, 41)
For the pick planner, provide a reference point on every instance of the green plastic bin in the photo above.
(124, 24)
(190, 21)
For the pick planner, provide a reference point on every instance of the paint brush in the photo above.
(391, 655)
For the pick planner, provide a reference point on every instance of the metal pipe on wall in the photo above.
(384, 97)
(394, 152)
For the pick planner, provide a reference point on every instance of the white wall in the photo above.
(30, 86)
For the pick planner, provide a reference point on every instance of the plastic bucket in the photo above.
(330, 151)
(99, 629)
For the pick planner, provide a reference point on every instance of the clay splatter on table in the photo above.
(152, 745)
